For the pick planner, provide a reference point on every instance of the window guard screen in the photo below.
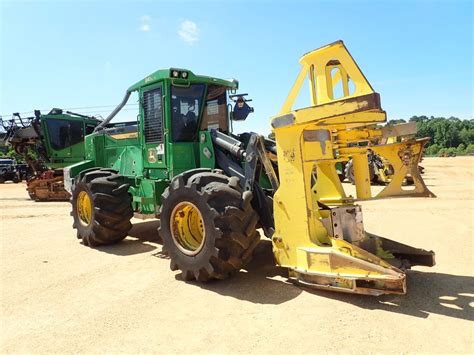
(153, 116)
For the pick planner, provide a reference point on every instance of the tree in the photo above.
(469, 149)
(397, 121)
(451, 152)
(432, 150)
(466, 135)
(442, 152)
(460, 150)
(444, 132)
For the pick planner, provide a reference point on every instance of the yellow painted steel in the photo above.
(187, 228)
(311, 201)
(84, 208)
(125, 135)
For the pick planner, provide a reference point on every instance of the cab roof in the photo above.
(167, 74)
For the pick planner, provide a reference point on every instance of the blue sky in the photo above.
(417, 54)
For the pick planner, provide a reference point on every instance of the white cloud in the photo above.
(145, 27)
(188, 31)
(145, 21)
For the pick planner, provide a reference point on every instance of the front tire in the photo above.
(208, 225)
(101, 208)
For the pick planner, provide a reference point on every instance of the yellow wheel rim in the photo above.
(84, 208)
(187, 228)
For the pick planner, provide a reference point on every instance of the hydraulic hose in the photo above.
(114, 112)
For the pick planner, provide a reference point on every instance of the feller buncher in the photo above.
(212, 189)
(380, 169)
(48, 143)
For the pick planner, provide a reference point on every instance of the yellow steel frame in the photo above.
(310, 141)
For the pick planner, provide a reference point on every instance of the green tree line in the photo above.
(449, 136)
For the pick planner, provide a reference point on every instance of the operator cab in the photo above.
(178, 103)
(177, 111)
(190, 110)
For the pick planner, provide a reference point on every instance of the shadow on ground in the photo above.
(141, 239)
(428, 292)
(146, 231)
(263, 282)
(260, 282)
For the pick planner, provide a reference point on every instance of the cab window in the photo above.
(63, 134)
(186, 105)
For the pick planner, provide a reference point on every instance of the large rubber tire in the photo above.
(349, 172)
(111, 208)
(228, 220)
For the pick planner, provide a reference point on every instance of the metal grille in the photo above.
(152, 106)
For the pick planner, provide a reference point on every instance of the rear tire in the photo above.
(208, 225)
(101, 208)
(349, 172)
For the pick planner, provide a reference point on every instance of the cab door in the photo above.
(153, 137)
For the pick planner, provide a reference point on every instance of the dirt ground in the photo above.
(59, 296)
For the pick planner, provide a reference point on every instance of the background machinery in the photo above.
(212, 189)
(380, 169)
(48, 143)
(9, 170)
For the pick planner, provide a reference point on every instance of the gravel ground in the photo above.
(59, 296)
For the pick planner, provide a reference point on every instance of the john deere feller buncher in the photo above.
(212, 189)
(380, 170)
(48, 143)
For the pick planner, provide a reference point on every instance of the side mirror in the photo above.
(241, 109)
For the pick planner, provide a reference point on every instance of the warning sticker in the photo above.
(212, 107)
(160, 149)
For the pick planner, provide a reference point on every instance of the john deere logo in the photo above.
(151, 155)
